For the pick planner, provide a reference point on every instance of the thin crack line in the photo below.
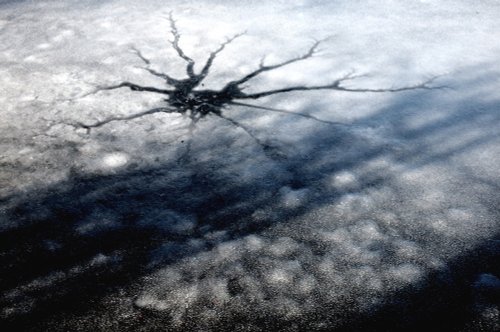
(178, 49)
(336, 85)
(263, 68)
(88, 127)
(307, 116)
(245, 129)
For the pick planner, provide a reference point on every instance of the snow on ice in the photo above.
(369, 211)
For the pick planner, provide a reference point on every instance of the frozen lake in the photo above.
(337, 166)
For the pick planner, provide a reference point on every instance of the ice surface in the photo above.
(386, 220)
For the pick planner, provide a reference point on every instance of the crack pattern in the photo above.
(184, 97)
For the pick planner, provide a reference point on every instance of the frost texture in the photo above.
(386, 217)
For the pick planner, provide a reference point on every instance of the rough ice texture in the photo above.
(385, 221)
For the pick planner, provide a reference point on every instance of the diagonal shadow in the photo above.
(76, 242)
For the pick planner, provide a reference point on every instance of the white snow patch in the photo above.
(344, 180)
(254, 242)
(283, 246)
(151, 302)
(406, 273)
(100, 259)
(115, 159)
(43, 46)
(279, 276)
(293, 198)
(228, 250)
(407, 249)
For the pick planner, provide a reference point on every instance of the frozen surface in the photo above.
(387, 219)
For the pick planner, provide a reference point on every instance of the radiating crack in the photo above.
(245, 129)
(184, 97)
(122, 118)
(271, 109)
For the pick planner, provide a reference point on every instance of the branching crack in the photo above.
(123, 118)
(184, 97)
